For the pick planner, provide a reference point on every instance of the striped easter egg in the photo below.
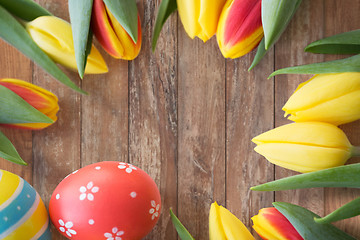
(23, 215)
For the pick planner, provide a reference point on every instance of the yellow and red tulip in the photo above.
(200, 17)
(54, 36)
(270, 224)
(111, 35)
(240, 28)
(223, 225)
(41, 99)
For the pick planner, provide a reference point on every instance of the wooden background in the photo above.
(185, 115)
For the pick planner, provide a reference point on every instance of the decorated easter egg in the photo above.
(106, 200)
(22, 212)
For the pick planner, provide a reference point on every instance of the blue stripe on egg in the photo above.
(17, 208)
(46, 235)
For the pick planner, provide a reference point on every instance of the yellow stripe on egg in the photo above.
(32, 223)
(8, 184)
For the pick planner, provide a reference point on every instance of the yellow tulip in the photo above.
(53, 35)
(200, 17)
(223, 225)
(305, 147)
(331, 98)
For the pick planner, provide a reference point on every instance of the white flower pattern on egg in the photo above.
(88, 191)
(128, 167)
(66, 228)
(154, 211)
(114, 235)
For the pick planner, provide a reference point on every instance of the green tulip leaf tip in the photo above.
(166, 8)
(260, 53)
(181, 230)
(80, 25)
(8, 151)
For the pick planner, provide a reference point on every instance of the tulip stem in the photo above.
(355, 151)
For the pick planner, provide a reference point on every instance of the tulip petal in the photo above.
(351, 64)
(27, 10)
(303, 221)
(332, 98)
(216, 230)
(200, 17)
(58, 44)
(17, 36)
(8, 151)
(343, 43)
(80, 26)
(343, 176)
(271, 224)
(239, 29)
(307, 133)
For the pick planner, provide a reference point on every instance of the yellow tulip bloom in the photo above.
(331, 98)
(53, 35)
(200, 17)
(223, 225)
(305, 147)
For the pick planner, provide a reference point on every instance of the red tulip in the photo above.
(239, 28)
(111, 35)
(41, 99)
(270, 224)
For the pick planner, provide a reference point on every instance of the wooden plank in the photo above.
(15, 65)
(249, 112)
(153, 113)
(201, 114)
(57, 148)
(343, 16)
(306, 26)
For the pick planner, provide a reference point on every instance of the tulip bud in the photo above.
(305, 147)
(200, 17)
(223, 225)
(41, 99)
(331, 98)
(240, 29)
(111, 35)
(53, 35)
(271, 224)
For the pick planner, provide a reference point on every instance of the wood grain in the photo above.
(153, 113)
(249, 112)
(185, 115)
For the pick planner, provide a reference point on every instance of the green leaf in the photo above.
(275, 16)
(27, 10)
(166, 8)
(343, 176)
(8, 151)
(80, 25)
(181, 230)
(12, 32)
(14, 109)
(344, 43)
(304, 223)
(260, 53)
(126, 13)
(351, 64)
(348, 210)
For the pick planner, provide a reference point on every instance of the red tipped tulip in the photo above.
(41, 99)
(239, 28)
(111, 35)
(270, 224)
